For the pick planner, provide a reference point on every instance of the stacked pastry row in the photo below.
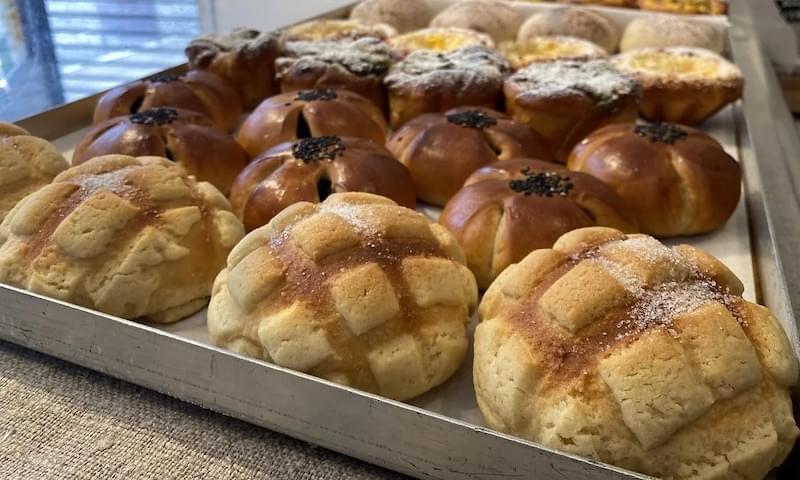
(694, 7)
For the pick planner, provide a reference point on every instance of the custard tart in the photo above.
(543, 49)
(439, 40)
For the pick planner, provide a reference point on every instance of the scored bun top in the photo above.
(677, 180)
(640, 355)
(356, 290)
(311, 113)
(508, 209)
(311, 169)
(26, 164)
(131, 237)
(187, 138)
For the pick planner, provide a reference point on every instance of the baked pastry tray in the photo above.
(440, 434)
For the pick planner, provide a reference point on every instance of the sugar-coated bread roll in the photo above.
(629, 352)
(572, 22)
(131, 237)
(677, 180)
(244, 57)
(356, 65)
(311, 169)
(565, 100)
(428, 81)
(356, 290)
(508, 209)
(27, 163)
(681, 84)
(197, 90)
(442, 149)
(311, 113)
(336, 29)
(403, 16)
(495, 18)
(187, 138)
(659, 31)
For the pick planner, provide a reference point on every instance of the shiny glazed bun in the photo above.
(311, 169)
(131, 237)
(199, 91)
(442, 149)
(27, 163)
(677, 180)
(629, 352)
(244, 57)
(356, 290)
(311, 113)
(187, 138)
(510, 208)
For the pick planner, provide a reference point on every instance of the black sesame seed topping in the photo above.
(660, 132)
(164, 78)
(318, 148)
(543, 184)
(154, 116)
(312, 95)
(472, 119)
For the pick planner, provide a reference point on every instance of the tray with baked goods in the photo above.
(456, 239)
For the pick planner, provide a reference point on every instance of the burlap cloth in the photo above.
(61, 421)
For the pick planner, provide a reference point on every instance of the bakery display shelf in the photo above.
(441, 434)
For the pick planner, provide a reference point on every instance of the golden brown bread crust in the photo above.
(245, 57)
(403, 16)
(497, 223)
(311, 113)
(439, 40)
(565, 100)
(707, 7)
(187, 138)
(680, 84)
(621, 349)
(686, 187)
(199, 91)
(492, 17)
(311, 169)
(132, 237)
(27, 163)
(337, 29)
(552, 47)
(356, 290)
(429, 81)
(442, 149)
(573, 22)
(356, 65)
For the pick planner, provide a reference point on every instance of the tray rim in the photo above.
(756, 142)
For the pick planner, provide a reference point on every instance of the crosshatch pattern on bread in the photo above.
(356, 290)
(627, 351)
(132, 237)
(27, 163)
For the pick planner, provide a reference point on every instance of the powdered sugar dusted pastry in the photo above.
(621, 349)
(495, 18)
(564, 100)
(427, 81)
(27, 163)
(131, 237)
(356, 65)
(572, 22)
(681, 85)
(356, 290)
(658, 31)
(244, 57)
(542, 49)
(403, 16)
(333, 29)
(439, 40)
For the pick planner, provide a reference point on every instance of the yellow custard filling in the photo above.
(684, 65)
(548, 48)
(440, 42)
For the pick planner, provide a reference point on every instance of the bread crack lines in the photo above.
(303, 129)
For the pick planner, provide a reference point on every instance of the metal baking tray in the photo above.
(441, 434)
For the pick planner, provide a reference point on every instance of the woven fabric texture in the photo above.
(61, 421)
